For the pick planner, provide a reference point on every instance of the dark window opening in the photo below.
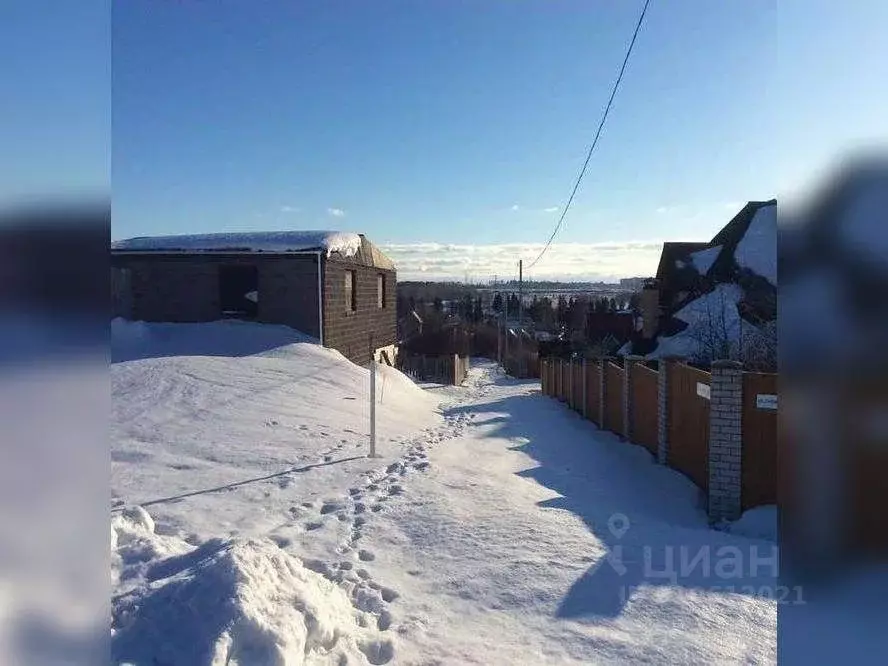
(380, 291)
(239, 292)
(351, 303)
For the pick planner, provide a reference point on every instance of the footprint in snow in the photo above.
(384, 621)
(378, 652)
(366, 556)
(281, 541)
(330, 506)
(315, 525)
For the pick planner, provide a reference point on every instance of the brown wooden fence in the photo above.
(613, 397)
(689, 423)
(523, 364)
(593, 391)
(759, 465)
(447, 368)
(688, 414)
(644, 407)
(577, 369)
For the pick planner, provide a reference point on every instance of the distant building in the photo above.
(337, 287)
(632, 284)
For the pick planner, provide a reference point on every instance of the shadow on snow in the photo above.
(647, 516)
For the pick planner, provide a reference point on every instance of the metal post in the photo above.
(499, 340)
(373, 408)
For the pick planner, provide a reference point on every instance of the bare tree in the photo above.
(720, 334)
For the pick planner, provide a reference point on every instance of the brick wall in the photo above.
(350, 332)
(175, 288)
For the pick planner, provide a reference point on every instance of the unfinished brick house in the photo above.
(334, 286)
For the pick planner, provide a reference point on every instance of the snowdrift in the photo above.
(240, 439)
(229, 602)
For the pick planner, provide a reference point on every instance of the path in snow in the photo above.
(511, 531)
(525, 542)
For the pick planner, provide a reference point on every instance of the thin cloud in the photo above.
(551, 209)
(289, 209)
(336, 212)
(566, 261)
(516, 208)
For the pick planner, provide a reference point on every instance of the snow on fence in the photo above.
(718, 428)
(445, 368)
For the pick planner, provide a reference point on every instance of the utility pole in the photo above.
(520, 292)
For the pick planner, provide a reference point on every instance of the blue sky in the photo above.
(438, 126)
(55, 114)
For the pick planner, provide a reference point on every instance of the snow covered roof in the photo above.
(344, 243)
(703, 259)
(757, 250)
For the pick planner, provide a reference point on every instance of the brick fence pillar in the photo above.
(602, 391)
(629, 362)
(725, 440)
(663, 407)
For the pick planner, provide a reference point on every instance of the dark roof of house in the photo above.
(679, 281)
(676, 273)
(733, 231)
(730, 235)
(675, 252)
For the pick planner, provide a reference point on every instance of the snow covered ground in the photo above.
(249, 527)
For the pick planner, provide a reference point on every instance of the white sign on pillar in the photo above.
(766, 401)
(703, 390)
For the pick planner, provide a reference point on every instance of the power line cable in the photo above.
(597, 135)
